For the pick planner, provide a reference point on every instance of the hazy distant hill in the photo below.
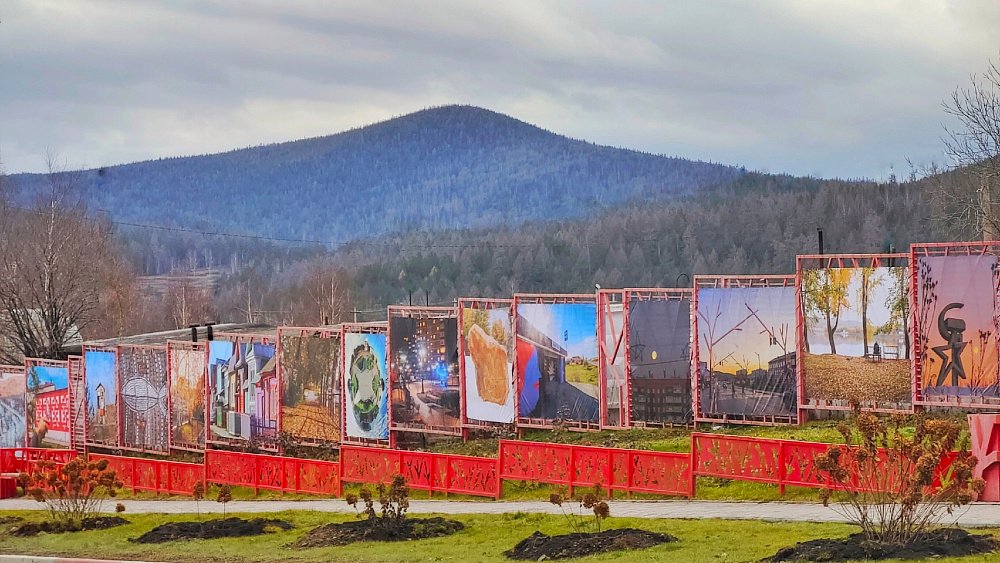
(448, 167)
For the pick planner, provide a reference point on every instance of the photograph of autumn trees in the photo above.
(957, 328)
(855, 343)
(188, 370)
(746, 353)
(310, 398)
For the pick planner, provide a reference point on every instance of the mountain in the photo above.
(449, 167)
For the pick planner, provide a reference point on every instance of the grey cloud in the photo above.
(843, 88)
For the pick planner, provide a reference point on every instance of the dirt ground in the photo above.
(538, 546)
(363, 530)
(211, 529)
(310, 421)
(946, 542)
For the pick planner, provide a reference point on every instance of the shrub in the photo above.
(394, 501)
(198, 492)
(896, 484)
(72, 492)
(593, 502)
(225, 495)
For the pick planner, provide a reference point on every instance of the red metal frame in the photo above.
(113, 350)
(830, 261)
(361, 328)
(308, 332)
(121, 411)
(28, 363)
(275, 473)
(605, 301)
(406, 311)
(76, 409)
(482, 303)
(188, 346)
(726, 282)
(552, 299)
(156, 475)
(922, 250)
(653, 294)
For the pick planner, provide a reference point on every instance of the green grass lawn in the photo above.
(581, 373)
(484, 539)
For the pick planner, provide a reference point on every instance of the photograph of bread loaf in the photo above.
(492, 369)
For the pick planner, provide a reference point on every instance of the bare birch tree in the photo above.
(967, 196)
(56, 263)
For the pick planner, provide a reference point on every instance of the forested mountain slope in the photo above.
(450, 167)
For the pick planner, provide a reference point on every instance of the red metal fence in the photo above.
(742, 458)
(16, 460)
(156, 475)
(274, 473)
(632, 471)
(424, 471)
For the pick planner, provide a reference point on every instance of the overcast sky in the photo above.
(842, 88)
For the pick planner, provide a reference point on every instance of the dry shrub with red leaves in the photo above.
(72, 492)
(897, 483)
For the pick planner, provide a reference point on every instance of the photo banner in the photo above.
(12, 407)
(243, 379)
(488, 361)
(613, 361)
(142, 376)
(958, 327)
(855, 338)
(47, 404)
(366, 386)
(188, 372)
(100, 374)
(557, 361)
(659, 348)
(746, 353)
(423, 372)
(310, 398)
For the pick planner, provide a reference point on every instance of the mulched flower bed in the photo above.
(951, 542)
(95, 523)
(362, 530)
(212, 529)
(539, 546)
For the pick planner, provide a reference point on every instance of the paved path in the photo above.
(970, 516)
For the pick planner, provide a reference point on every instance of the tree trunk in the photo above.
(864, 308)
(830, 329)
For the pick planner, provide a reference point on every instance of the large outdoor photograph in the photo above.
(958, 328)
(12, 415)
(746, 340)
(188, 372)
(142, 376)
(243, 392)
(855, 337)
(488, 362)
(557, 361)
(424, 372)
(659, 341)
(102, 396)
(310, 397)
(47, 405)
(366, 386)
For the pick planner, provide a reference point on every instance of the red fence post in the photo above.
(610, 473)
(781, 468)
(693, 485)
(572, 469)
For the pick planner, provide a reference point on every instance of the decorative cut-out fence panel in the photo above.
(631, 471)
(285, 474)
(156, 475)
(16, 460)
(424, 471)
